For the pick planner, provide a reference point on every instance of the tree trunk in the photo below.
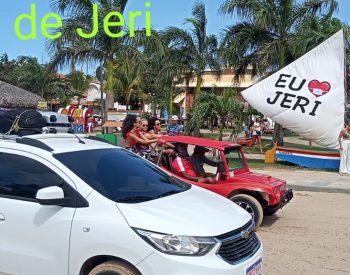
(109, 87)
(278, 129)
(171, 104)
(221, 131)
(154, 106)
(196, 130)
(198, 87)
(127, 96)
(278, 135)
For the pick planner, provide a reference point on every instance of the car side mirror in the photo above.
(53, 195)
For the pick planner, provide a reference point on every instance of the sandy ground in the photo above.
(311, 235)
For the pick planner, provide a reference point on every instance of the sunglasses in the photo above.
(144, 125)
(157, 124)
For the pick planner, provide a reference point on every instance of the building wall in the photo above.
(210, 80)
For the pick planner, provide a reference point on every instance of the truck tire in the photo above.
(113, 268)
(251, 205)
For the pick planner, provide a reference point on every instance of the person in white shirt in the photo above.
(344, 147)
(256, 136)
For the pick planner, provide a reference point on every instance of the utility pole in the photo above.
(100, 74)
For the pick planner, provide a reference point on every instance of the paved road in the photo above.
(311, 235)
(310, 180)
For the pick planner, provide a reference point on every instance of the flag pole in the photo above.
(345, 76)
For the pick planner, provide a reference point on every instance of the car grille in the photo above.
(239, 245)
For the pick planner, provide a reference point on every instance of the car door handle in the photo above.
(2, 218)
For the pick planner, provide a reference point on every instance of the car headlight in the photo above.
(177, 245)
(283, 187)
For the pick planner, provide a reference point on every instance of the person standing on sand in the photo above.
(344, 147)
(256, 135)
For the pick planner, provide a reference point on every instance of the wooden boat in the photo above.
(327, 159)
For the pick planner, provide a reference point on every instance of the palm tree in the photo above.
(265, 38)
(28, 74)
(6, 66)
(198, 49)
(225, 106)
(79, 82)
(127, 75)
(70, 48)
(160, 74)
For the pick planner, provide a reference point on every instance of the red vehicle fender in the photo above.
(230, 189)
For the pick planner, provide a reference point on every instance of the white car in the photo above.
(75, 205)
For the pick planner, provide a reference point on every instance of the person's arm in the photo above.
(151, 135)
(210, 162)
(168, 129)
(179, 168)
(187, 176)
(340, 138)
(179, 130)
(169, 145)
(142, 136)
(142, 141)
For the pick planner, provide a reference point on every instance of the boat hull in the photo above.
(309, 158)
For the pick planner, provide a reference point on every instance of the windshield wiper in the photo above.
(172, 192)
(136, 199)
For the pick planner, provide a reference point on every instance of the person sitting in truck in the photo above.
(174, 128)
(182, 166)
(133, 138)
(198, 159)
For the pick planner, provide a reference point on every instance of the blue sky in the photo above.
(164, 13)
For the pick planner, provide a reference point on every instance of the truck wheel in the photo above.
(251, 205)
(113, 268)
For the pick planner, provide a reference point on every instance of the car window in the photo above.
(121, 175)
(22, 177)
(234, 158)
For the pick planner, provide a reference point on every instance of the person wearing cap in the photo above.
(182, 166)
(175, 129)
(198, 159)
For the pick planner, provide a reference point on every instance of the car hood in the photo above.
(259, 178)
(195, 212)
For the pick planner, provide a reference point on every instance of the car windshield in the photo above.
(234, 158)
(120, 175)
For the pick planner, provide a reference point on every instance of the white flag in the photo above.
(308, 95)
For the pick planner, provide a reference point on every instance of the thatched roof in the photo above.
(14, 97)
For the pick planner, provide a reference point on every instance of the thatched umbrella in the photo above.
(14, 97)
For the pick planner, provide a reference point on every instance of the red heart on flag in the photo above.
(319, 88)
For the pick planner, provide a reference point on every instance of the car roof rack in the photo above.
(34, 143)
(8, 137)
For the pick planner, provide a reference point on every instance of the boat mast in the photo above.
(345, 76)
